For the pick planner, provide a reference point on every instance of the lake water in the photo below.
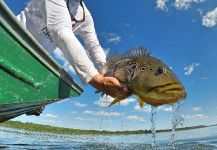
(196, 139)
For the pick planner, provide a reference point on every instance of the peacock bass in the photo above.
(147, 77)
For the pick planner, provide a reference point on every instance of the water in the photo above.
(177, 120)
(196, 139)
(153, 126)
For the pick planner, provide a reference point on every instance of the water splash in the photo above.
(177, 120)
(153, 126)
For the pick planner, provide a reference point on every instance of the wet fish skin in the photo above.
(147, 77)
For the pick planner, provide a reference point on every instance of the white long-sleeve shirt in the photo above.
(50, 23)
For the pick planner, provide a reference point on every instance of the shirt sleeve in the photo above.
(59, 23)
(88, 34)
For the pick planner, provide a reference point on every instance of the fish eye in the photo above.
(143, 68)
(159, 71)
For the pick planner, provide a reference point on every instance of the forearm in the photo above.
(97, 55)
(88, 33)
(76, 55)
(59, 24)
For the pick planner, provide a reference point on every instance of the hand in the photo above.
(109, 85)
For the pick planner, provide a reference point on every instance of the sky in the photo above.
(182, 33)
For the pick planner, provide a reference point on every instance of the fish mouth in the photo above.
(175, 90)
(164, 94)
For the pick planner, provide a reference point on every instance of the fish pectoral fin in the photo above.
(118, 99)
(141, 102)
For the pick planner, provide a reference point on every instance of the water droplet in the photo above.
(177, 120)
(153, 126)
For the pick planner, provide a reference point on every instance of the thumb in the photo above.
(115, 82)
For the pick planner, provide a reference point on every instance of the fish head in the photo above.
(155, 83)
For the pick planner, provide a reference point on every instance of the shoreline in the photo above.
(71, 131)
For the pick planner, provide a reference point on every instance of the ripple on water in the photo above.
(32, 140)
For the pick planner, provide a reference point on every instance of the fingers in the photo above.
(119, 85)
(116, 88)
(109, 85)
(114, 82)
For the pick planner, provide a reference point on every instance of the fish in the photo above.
(146, 77)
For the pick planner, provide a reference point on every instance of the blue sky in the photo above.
(180, 32)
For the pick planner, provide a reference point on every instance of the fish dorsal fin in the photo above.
(112, 59)
(136, 52)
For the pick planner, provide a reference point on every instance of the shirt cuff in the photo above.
(88, 76)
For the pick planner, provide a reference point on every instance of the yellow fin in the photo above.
(141, 102)
(118, 99)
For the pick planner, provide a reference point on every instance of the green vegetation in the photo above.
(59, 130)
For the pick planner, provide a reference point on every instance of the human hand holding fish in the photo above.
(109, 85)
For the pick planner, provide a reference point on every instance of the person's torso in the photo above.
(35, 15)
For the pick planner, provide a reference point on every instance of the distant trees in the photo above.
(59, 130)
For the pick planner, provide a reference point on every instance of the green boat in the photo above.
(29, 77)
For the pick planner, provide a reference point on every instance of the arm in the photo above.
(88, 34)
(59, 23)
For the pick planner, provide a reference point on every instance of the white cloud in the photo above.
(80, 105)
(189, 69)
(79, 118)
(73, 112)
(186, 4)
(135, 118)
(147, 108)
(196, 109)
(200, 11)
(52, 121)
(107, 121)
(196, 117)
(210, 19)
(102, 113)
(167, 109)
(87, 119)
(105, 101)
(161, 4)
(50, 116)
(58, 53)
(66, 65)
(127, 101)
(112, 37)
(93, 120)
(106, 50)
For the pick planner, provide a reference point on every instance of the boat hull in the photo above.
(29, 77)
